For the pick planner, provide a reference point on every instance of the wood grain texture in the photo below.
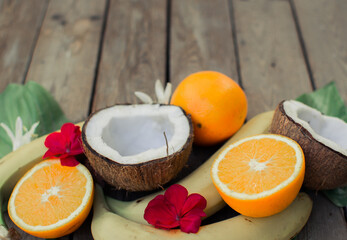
(323, 25)
(65, 57)
(201, 39)
(271, 61)
(133, 54)
(20, 22)
(326, 221)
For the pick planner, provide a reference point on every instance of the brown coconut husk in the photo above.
(325, 167)
(145, 176)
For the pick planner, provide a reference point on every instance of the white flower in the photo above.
(163, 95)
(17, 138)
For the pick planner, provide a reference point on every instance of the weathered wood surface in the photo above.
(323, 26)
(65, 57)
(200, 39)
(272, 66)
(94, 55)
(20, 22)
(133, 52)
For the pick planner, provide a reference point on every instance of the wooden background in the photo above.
(90, 54)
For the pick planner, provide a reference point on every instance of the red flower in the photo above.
(65, 144)
(175, 208)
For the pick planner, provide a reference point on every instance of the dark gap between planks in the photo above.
(236, 47)
(168, 36)
(302, 43)
(36, 38)
(98, 58)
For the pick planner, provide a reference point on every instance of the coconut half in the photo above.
(322, 138)
(138, 147)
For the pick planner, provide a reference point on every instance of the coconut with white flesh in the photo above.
(322, 138)
(138, 147)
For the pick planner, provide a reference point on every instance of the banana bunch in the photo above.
(115, 219)
(13, 166)
(107, 224)
(198, 181)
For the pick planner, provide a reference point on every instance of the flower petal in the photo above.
(19, 128)
(33, 128)
(8, 131)
(68, 129)
(29, 134)
(167, 93)
(194, 201)
(56, 143)
(191, 222)
(176, 195)
(49, 154)
(159, 91)
(157, 200)
(161, 214)
(69, 161)
(145, 98)
(70, 132)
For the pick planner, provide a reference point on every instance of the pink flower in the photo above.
(175, 208)
(65, 144)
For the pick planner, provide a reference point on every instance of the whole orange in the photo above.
(216, 103)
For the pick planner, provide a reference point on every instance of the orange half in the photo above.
(51, 200)
(260, 175)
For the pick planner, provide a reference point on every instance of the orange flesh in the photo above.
(256, 166)
(50, 194)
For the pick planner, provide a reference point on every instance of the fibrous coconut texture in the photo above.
(322, 138)
(138, 147)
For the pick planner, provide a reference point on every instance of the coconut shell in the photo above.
(144, 176)
(325, 167)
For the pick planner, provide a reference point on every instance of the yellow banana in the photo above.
(198, 181)
(107, 225)
(15, 164)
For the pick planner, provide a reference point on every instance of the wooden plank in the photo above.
(201, 39)
(326, 221)
(20, 23)
(273, 68)
(271, 61)
(323, 25)
(65, 57)
(326, 45)
(133, 54)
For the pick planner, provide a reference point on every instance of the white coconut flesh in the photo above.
(132, 134)
(330, 131)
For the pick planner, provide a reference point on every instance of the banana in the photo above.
(198, 181)
(107, 225)
(14, 165)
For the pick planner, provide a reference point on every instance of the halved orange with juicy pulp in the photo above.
(52, 200)
(260, 175)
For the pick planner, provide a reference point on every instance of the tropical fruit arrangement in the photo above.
(258, 171)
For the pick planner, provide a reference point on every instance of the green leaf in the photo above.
(328, 101)
(32, 103)
(338, 196)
